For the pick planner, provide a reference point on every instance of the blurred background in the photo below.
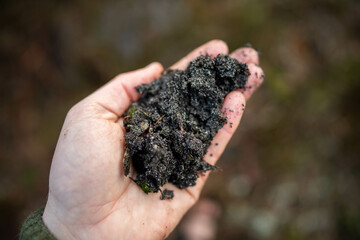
(292, 170)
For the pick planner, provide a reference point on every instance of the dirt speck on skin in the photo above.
(171, 126)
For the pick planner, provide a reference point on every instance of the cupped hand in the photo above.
(89, 196)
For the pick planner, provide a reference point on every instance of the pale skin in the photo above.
(89, 196)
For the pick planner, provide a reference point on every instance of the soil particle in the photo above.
(171, 126)
(166, 194)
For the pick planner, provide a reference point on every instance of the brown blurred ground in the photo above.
(292, 170)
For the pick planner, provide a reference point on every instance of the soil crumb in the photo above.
(171, 126)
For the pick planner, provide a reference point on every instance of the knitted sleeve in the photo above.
(34, 227)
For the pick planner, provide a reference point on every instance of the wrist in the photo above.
(55, 225)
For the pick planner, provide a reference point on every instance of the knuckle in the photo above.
(77, 110)
(219, 44)
(73, 110)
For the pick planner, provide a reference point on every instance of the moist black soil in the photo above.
(171, 126)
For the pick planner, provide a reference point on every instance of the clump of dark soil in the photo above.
(171, 126)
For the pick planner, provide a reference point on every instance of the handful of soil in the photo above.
(171, 126)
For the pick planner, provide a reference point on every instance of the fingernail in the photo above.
(249, 45)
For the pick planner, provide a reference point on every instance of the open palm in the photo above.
(89, 197)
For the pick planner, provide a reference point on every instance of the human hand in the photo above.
(89, 196)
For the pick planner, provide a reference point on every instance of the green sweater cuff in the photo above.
(34, 227)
